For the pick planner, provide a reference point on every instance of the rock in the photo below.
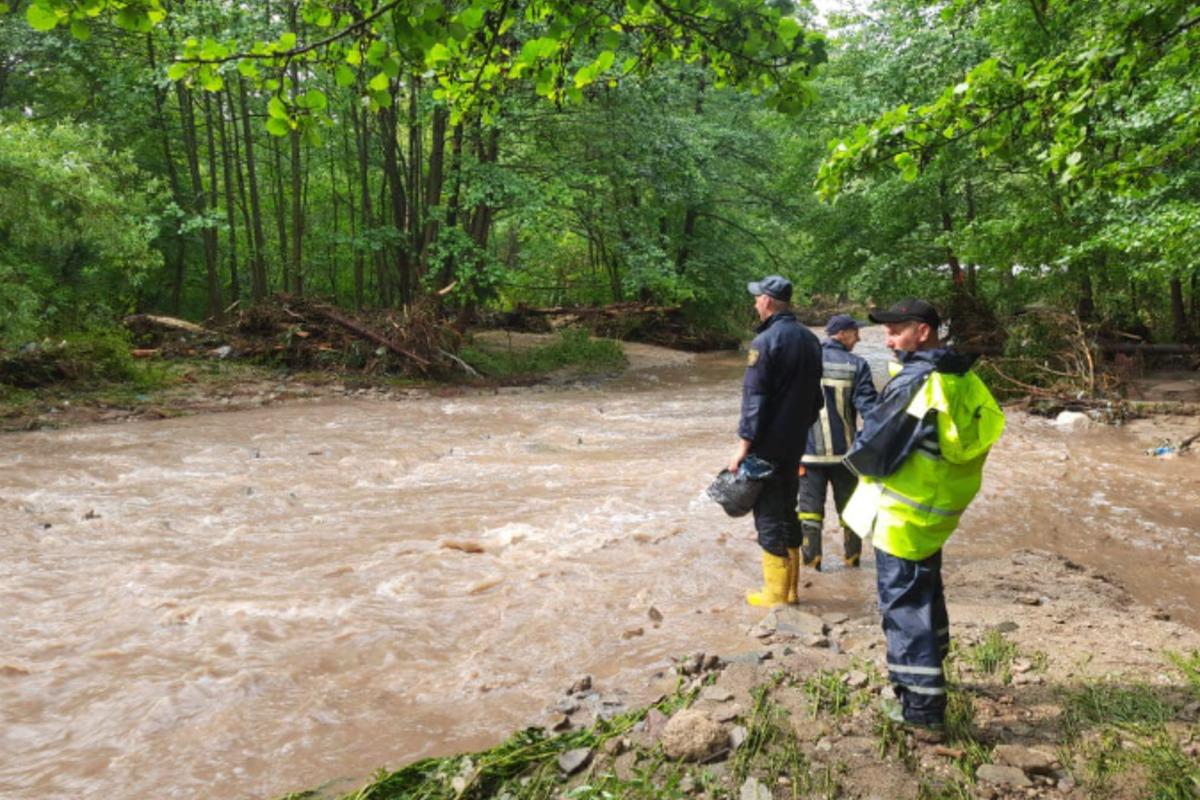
(572, 761)
(561, 722)
(796, 623)
(1020, 665)
(1002, 775)
(737, 737)
(716, 694)
(856, 679)
(654, 723)
(687, 784)
(752, 789)
(836, 618)
(712, 662)
(1007, 626)
(1160, 614)
(727, 713)
(1023, 758)
(690, 665)
(1029, 600)
(581, 685)
(815, 641)
(1066, 785)
(1072, 420)
(613, 747)
(632, 633)
(654, 614)
(691, 736)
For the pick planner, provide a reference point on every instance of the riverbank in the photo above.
(173, 387)
(1061, 686)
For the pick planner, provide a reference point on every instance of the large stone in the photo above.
(1024, 758)
(716, 694)
(796, 623)
(572, 761)
(691, 736)
(1002, 776)
(752, 789)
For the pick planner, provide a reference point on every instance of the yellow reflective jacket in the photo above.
(911, 511)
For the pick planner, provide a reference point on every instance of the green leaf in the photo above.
(177, 71)
(41, 18)
(4, 8)
(437, 54)
(278, 127)
(353, 56)
(788, 29)
(211, 80)
(379, 83)
(277, 109)
(314, 100)
(81, 30)
(248, 68)
(343, 75)
(286, 42)
(133, 19)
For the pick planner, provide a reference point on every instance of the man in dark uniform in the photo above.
(781, 397)
(849, 391)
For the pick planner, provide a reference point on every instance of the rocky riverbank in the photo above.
(1061, 687)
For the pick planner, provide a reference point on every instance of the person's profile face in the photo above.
(905, 337)
(848, 337)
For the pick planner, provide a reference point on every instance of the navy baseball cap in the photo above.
(909, 309)
(775, 286)
(841, 322)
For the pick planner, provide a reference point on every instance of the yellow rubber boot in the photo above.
(793, 595)
(775, 582)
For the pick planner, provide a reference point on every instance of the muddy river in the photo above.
(245, 604)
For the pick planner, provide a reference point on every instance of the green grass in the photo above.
(1189, 665)
(993, 656)
(574, 348)
(1137, 707)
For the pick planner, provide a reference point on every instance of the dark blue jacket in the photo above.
(781, 393)
(889, 434)
(849, 391)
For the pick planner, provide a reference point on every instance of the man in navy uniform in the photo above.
(781, 397)
(849, 391)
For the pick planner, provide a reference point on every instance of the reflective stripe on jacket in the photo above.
(849, 391)
(920, 458)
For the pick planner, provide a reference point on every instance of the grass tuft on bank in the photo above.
(574, 349)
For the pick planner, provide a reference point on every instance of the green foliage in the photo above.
(574, 349)
(76, 223)
(992, 656)
(1189, 665)
(1135, 706)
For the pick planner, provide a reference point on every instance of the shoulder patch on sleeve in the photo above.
(752, 358)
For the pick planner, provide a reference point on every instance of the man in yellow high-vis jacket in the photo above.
(919, 458)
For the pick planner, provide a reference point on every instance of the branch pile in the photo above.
(667, 326)
(302, 333)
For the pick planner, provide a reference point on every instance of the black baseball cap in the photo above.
(909, 309)
(775, 286)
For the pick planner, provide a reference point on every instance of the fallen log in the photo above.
(148, 321)
(358, 329)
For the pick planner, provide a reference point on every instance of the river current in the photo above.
(251, 603)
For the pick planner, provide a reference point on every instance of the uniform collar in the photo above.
(771, 320)
(835, 344)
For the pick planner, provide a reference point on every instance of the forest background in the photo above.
(193, 158)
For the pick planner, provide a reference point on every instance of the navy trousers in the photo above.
(913, 604)
(775, 512)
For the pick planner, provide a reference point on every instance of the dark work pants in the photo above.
(814, 484)
(913, 604)
(775, 512)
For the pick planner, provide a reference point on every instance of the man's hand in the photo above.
(739, 455)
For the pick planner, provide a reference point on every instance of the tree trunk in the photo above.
(956, 273)
(280, 214)
(258, 263)
(216, 304)
(972, 268)
(176, 267)
(1178, 311)
(433, 186)
(235, 289)
(389, 122)
(199, 201)
(361, 141)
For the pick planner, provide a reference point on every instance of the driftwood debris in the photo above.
(631, 321)
(370, 335)
(145, 322)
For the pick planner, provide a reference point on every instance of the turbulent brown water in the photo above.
(245, 604)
